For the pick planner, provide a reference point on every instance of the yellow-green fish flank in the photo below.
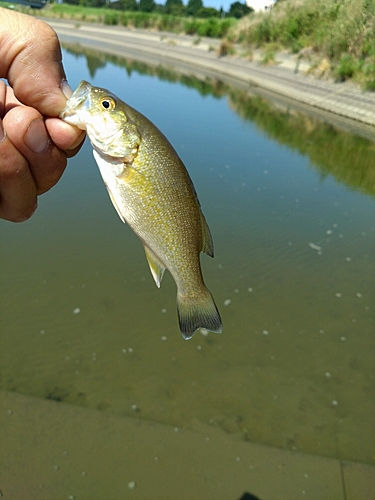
(153, 193)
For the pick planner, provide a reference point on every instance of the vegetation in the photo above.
(210, 27)
(340, 31)
(337, 36)
(173, 7)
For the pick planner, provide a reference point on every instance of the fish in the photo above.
(152, 192)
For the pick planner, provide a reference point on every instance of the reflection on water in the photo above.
(351, 159)
(287, 200)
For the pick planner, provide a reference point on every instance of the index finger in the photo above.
(31, 60)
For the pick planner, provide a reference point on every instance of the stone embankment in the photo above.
(286, 78)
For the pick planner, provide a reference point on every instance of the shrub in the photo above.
(111, 18)
(346, 67)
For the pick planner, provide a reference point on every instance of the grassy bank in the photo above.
(211, 27)
(338, 36)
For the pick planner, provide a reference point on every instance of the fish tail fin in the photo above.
(198, 312)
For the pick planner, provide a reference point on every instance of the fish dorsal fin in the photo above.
(156, 267)
(207, 243)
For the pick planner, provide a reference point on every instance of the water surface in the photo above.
(290, 203)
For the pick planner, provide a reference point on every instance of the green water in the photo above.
(291, 205)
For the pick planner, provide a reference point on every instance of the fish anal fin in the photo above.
(156, 267)
(207, 243)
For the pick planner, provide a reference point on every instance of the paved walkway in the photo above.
(287, 78)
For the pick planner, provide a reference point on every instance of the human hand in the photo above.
(34, 142)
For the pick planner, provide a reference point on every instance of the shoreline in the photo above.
(342, 104)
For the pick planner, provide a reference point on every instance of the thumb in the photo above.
(30, 59)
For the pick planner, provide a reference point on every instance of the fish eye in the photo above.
(108, 103)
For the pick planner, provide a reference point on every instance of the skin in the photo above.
(34, 142)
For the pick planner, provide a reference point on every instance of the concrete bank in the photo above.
(287, 79)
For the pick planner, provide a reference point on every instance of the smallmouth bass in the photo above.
(152, 192)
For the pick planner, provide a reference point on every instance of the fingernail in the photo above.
(66, 89)
(36, 137)
(2, 131)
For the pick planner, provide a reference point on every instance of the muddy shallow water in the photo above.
(290, 202)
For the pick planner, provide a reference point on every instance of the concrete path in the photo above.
(287, 78)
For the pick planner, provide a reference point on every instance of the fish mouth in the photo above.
(76, 101)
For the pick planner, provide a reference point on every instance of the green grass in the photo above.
(210, 27)
(341, 30)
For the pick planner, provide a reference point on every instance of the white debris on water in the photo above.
(132, 485)
(227, 302)
(315, 247)
(77, 310)
(129, 349)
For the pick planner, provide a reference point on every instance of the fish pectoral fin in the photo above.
(127, 174)
(207, 243)
(156, 267)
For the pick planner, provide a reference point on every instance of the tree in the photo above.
(146, 5)
(129, 4)
(238, 9)
(193, 6)
(175, 7)
(123, 5)
(91, 3)
(208, 12)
